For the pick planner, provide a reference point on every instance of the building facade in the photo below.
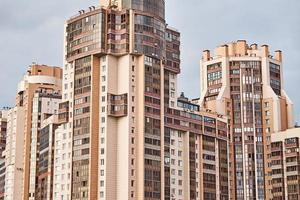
(45, 163)
(39, 80)
(45, 106)
(121, 115)
(14, 154)
(2, 178)
(111, 125)
(3, 129)
(3, 132)
(245, 82)
(195, 152)
(285, 164)
(62, 163)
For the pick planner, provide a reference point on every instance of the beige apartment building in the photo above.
(3, 129)
(45, 106)
(111, 126)
(2, 178)
(285, 164)
(14, 154)
(38, 98)
(130, 136)
(39, 80)
(3, 133)
(45, 163)
(245, 82)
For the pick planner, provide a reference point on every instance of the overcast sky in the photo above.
(32, 31)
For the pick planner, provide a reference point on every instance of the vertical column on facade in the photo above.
(94, 136)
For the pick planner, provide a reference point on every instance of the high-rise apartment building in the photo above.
(62, 159)
(246, 83)
(14, 154)
(3, 129)
(285, 164)
(130, 136)
(2, 178)
(196, 153)
(111, 126)
(3, 133)
(45, 163)
(45, 105)
(37, 95)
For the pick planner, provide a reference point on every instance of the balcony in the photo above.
(63, 112)
(117, 105)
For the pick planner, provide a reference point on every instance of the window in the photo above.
(179, 153)
(172, 104)
(180, 163)
(180, 192)
(173, 161)
(214, 76)
(172, 85)
(266, 104)
(235, 71)
(179, 172)
(172, 94)
(172, 151)
(173, 172)
(179, 182)
(101, 194)
(172, 142)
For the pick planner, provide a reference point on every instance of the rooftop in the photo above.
(241, 48)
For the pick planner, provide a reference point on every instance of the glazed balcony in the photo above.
(117, 105)
(63, 112)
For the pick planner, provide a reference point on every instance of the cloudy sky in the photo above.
(32, 31)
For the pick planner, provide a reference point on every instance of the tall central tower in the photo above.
(124, 133)
(116, 56)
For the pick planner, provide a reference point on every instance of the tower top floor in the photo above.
(241, 48)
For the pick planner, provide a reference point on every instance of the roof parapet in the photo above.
(206, 55)
(278, 55)
(265, 50)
